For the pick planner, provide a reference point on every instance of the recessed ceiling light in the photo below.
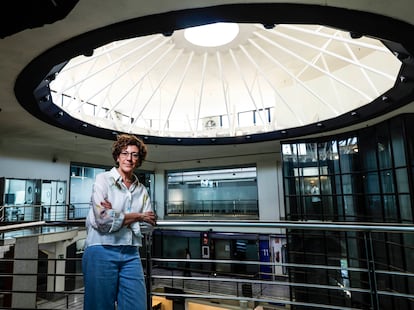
(212, 35)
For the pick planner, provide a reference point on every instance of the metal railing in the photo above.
(36, 212)
(206, 285)
(190, 209)
(234, 207)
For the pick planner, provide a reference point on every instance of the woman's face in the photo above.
(128, 159)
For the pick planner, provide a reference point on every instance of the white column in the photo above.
(25, 272)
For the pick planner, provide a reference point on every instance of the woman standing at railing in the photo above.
(111, 264)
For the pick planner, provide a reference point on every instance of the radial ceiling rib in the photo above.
(78, 86)
(107, 91)
(134, 105)
(262, 109)
(127, 70)
(119, 59)
(273, 119)
(351, 41)
(180, 85)
(255, 81)
(225, 92)
(154, 64)
(361, 93)
(334, 86)
(363, 70)
(322, 58)
(318, 56)
(263, 74)
(336, 55)
(300, 82)
(157, 87)
(104, 51)
(245, 84)
(202, 83)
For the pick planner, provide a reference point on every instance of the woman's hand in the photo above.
(106, 204)
(149, 217)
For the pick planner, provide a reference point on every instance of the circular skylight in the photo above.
(212, 35)
(265, 80)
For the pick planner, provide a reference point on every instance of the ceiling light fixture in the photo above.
(212, 35)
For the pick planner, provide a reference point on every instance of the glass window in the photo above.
(390, 208)
(350, 204)
(81, 182)
(290, 207)
(290, 188)
(374, 208)
(397, 140)
(261, 117)
(402, 180)
(410, 140)
(327, 151)
(383, 146)
(15, 190)
(226, 191)
(387, 182)
(326, 185)
(339, 209)
(371, 183)
(308, 153)
(360, 167)
(338, 184)
(405, 208)
(329, 209)
(408, 239)
(348, 154)
(368, 149)
(351, 184)
(246, 119)
(287, 151)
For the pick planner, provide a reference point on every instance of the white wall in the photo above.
(32, 168)
(269, 180)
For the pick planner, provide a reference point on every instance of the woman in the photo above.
(113, 273)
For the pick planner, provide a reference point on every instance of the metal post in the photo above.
(371, 270)
(148, 268)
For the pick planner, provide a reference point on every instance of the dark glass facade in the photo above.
(365, 176)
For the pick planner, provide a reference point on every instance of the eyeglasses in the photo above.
(126, 154)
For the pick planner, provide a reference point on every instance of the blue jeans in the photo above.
(113, 274)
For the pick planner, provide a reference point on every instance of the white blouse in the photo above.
(105, 226)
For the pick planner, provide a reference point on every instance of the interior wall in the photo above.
(34, 168)
(269, 186)
(268, 193)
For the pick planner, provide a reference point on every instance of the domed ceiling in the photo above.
(262, 80)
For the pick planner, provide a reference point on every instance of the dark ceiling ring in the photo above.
(32, 84)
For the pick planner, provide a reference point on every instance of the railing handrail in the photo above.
(12, 227)
(206, 278)
(311, 225)
(348, 226)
